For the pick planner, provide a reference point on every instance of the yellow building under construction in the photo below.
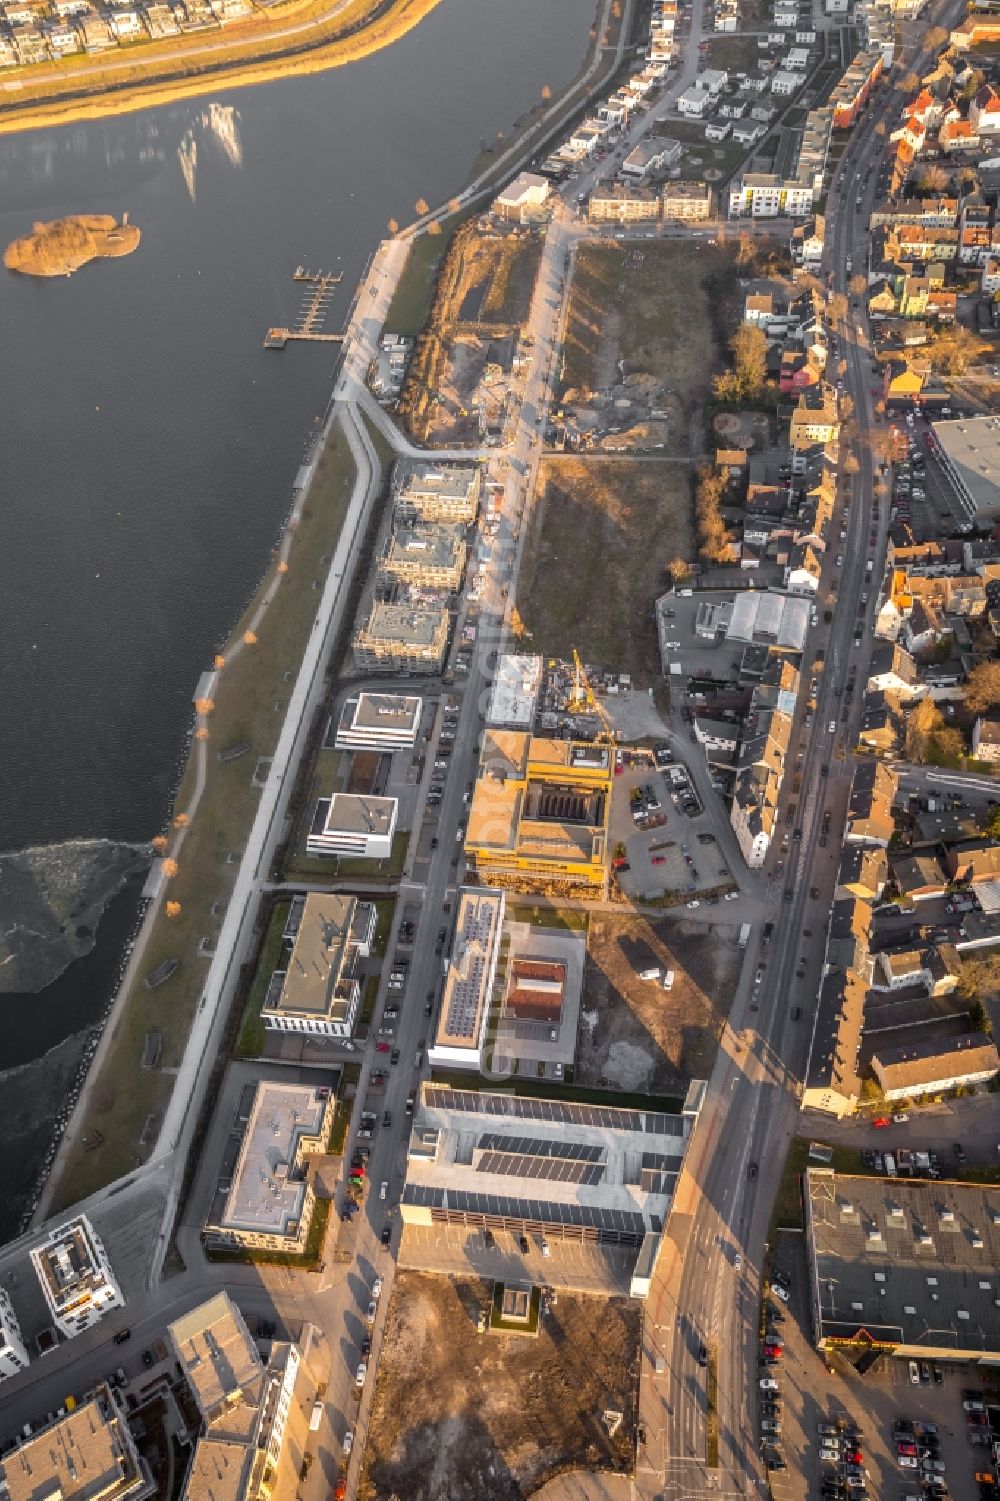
(539, 814)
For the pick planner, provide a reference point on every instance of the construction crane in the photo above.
(585, 701)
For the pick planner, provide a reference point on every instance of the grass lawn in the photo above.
(124, 1095)
(250, 1039)
(787, 1211)
(735, 53)
(308, 867)
(550, 917)
(411, 302)
(600, 536)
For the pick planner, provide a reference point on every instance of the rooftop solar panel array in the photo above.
(531, 1146)
(558, 1112)
(555, 1169)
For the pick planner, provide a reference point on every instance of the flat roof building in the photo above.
(905, 1266)
(319, 990)
(76, 1277)
(468, 987)
(249, 1406)
(524, 198)
(539, 811)
(88, 1455)
(426, 555)
(565, 1170)
(515, 692)
(269, 1203)
(402, 638)
(13, 1351)
(437, 492)
(540, 987)
(350, 823)
(969, 448)
(379, 721)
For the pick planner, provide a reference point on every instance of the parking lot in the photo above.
(658, 820)
(923, 495)
(818, 1395)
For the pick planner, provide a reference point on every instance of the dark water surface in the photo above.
(149, 443)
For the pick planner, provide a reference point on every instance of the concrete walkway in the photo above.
(583, 1485)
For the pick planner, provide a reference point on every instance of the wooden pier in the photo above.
(308, 326)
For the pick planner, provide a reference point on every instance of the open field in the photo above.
(633, 1033)
(733, 52)
(601, 534)
(482, 297)
(249, 706)
(645, 331)
(461, 1416)
(300, 36)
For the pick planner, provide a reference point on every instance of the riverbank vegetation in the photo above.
(126, 1102)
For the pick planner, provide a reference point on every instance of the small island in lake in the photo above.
(64, 245)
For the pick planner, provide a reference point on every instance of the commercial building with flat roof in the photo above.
(437, 492)
(906, 1266)
(402, 638)
(352, 823)
(969, 449)
(319, 990)
(13, 1351)
(75, 1274)
(556, 1168)
(379, 721)
(468, 987)
(269, 1203)
(88, 1455)
(539, 811)
(515, 692)
(425, 555)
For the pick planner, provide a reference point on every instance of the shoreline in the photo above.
(598, 62)
(381, 28)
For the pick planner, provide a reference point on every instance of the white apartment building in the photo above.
(75, 1274)
(764, 195)
(13, 1351)
(350, 823)
(379, 721)
(319, 990)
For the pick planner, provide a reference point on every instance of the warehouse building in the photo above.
(969, 449)
(88, 1455)
(379, 722)
(567, 1172)
(268, 1203)
(352, 823)
(468, 986)
(904, 1266)
(402, 639)
(75, 1274)
(319, 990)
(437, 492)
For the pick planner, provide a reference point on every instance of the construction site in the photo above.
(635, 1034)
(464, 1412)
(457, 390)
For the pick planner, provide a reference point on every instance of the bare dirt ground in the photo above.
(644, 336)
(461, 1416)
(635, 1035)
(601, 534)
(482, 298)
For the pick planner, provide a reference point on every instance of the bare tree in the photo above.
(859, 284)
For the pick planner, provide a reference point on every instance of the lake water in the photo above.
(149, 443)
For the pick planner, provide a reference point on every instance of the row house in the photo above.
(984, 111)
(807, 241)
